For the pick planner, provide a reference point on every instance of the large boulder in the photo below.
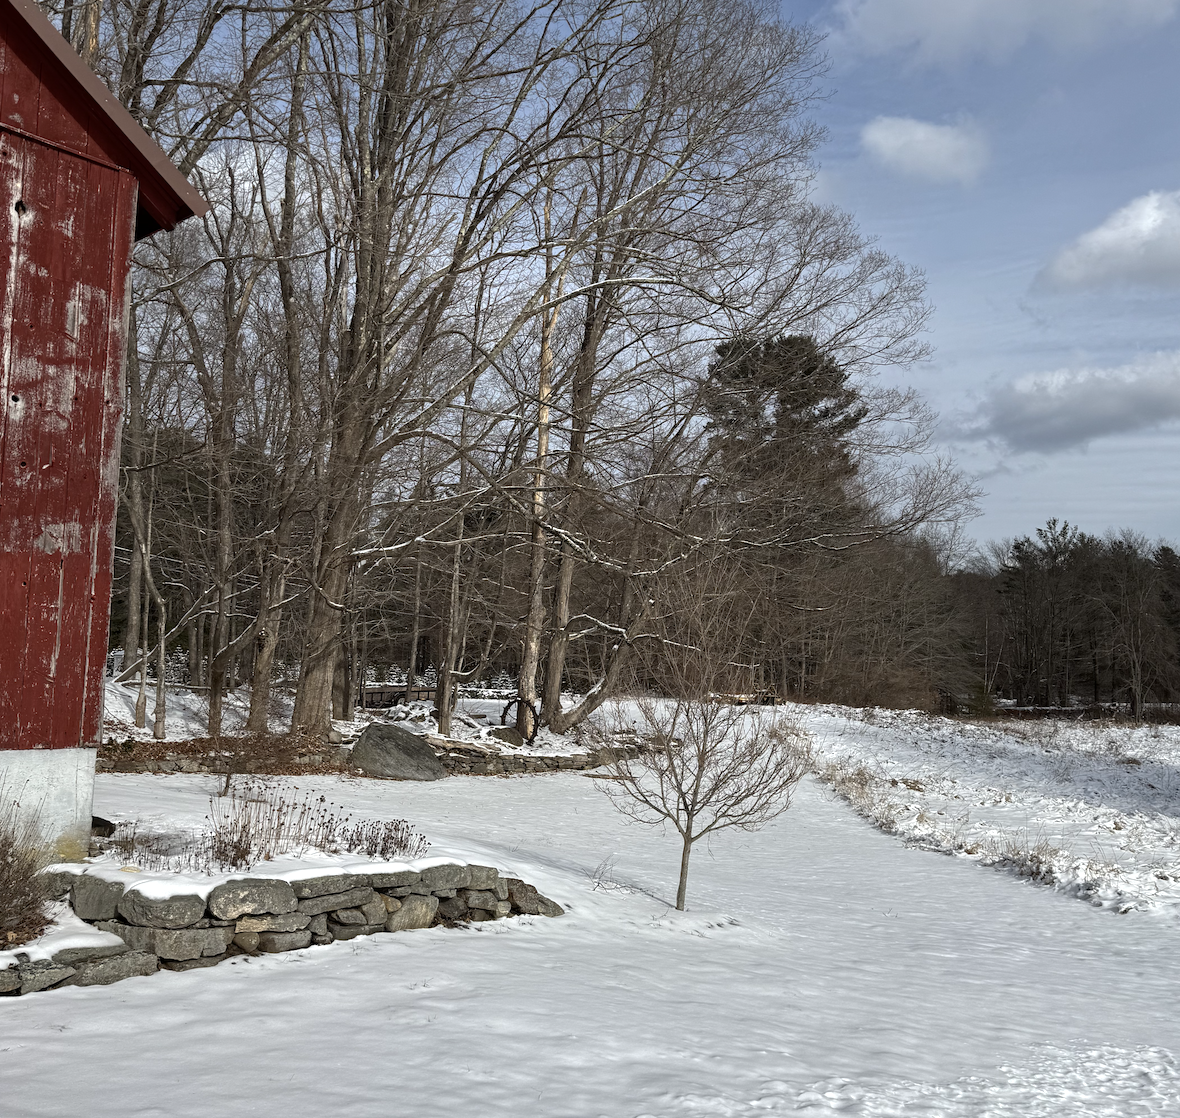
(161, 912)
(115, 968)
(320, 886)
(42, 974)
(71, 956)
(273, 942)
(447, 876)
(387, 751)
(251, 896)
(525, 899)
(415, 912)
(171, 943)
(92, 898)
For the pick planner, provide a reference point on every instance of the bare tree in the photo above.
(707, 766)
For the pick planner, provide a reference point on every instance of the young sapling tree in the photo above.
(706, 766)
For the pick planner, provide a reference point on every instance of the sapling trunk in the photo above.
(682, 887)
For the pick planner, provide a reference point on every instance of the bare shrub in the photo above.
(1037, 860)
(22, 893)
(707, 766)
(258, 822)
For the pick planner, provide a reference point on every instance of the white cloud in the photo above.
(1072, 407)
(1138, 244)
(918, 149)
(945, 31)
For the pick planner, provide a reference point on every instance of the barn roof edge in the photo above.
(166, 197)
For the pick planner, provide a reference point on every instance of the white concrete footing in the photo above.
(55, 789)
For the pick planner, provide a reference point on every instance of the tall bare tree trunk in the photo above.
(415, 627)
(530, 660)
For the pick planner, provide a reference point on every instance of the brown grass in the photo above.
(22, 894)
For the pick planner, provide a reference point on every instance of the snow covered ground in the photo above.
(824, 966)
(1092, 808)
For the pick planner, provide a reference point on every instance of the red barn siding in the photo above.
(79, 182)
(66, 229)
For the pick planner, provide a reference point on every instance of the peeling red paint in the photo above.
(68, 219)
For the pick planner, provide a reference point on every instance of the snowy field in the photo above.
(1092, 808)
(824, 966)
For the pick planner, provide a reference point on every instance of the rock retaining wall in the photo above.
(458, 758)
(253, 915)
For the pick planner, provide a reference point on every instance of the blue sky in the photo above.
(1026, 155)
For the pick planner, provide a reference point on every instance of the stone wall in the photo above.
(255, 915)
(459, 758)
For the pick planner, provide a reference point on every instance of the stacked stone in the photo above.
(250, 915)
(457, 758)
(465, 762)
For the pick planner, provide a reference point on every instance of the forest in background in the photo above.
(514, 343)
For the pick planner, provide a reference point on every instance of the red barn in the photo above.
(80, 181)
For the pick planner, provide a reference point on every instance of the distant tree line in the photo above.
(1063, 618)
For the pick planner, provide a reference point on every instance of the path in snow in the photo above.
(825, 967)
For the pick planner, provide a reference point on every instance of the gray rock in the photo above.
(501, 889)
(9, 980)
(416, 912)
(102, 972)
(483, 877)
(393, 753)
(392, 904)
(288, 922)
(509, 735)
(354, 898)
(375, 910)
(272, 942)
(190, 943)
(57, 883)
(166, 912)
(192, 964)
(351, 931)
(527, 900)
(399, 879)
(251, 896)
(481, 898)
(171, 943)
(42, 974)
(91, 898)
(350, 916)
(70, 955)
(443, 894)
(503, 908)
(321, 940)
(318, 925)
(403, 891)
(135, 937)
(329, 883)
(211, 922)
(453, 908)
(446, 877)
(247, 941)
